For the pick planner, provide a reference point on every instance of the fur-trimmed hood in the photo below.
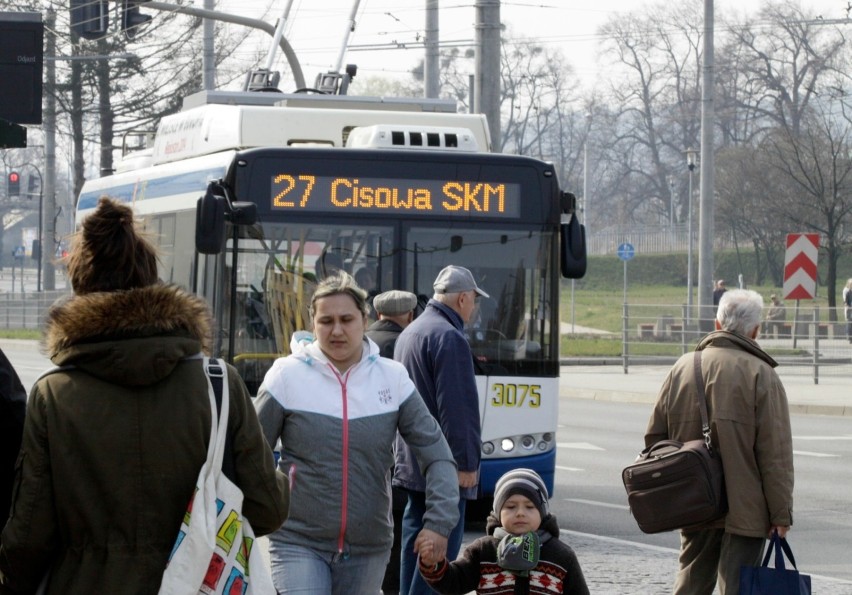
(129, 337)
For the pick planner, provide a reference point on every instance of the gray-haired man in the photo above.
(750, 422)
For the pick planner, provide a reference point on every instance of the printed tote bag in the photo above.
(215, 549)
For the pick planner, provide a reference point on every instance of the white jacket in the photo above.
(337, 433)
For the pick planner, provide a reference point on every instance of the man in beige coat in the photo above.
(750, 423)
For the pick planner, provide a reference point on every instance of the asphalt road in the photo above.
(597, 438)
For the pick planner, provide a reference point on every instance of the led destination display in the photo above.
(438, 197)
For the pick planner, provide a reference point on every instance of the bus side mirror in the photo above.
(573, 249)
(210, 223)
(572, 244)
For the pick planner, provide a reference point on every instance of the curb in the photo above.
(28, 344)
(616, 396)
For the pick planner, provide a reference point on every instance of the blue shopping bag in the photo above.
(763, 580)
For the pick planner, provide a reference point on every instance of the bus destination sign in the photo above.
(396, 195)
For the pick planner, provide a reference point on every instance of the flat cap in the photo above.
(395, 302)
(453, 279)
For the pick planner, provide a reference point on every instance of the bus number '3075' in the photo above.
(516, 395)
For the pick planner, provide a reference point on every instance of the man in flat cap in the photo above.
(395, 309)
(437, 355)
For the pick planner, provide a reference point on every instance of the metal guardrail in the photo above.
(26, 310)
(652, 334)
(807, 343)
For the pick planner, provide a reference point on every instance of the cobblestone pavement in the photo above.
(616, 567)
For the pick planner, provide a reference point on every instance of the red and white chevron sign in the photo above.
(800, 266)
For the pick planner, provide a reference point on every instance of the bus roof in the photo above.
(214, 121)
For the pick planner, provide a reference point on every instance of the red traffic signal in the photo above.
(14, 183)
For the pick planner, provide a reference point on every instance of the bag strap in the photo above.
(778, 544)
(702, 400)
(217, 376)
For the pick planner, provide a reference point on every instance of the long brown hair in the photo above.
(110, 252)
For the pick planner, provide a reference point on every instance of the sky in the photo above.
(385, 39)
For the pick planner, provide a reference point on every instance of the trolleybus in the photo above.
(253, 204)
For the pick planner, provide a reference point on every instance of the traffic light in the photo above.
(131, 18)
(21, 64)
(89, 18)
(14, 183)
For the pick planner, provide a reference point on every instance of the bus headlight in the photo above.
(488, 448)
(528, 442)
(507, 444)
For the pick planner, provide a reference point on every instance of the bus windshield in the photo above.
(278, 266)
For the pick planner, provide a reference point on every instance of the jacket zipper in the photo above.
(345, 457)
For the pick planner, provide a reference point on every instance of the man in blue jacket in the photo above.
(438, 358)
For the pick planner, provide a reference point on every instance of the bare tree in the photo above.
(653, 94)
(746, 191)
(815, 166)
(782, 65)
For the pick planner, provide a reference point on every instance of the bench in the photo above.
(645, 331)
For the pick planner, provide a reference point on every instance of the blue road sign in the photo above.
(19, 251)
(626, 252)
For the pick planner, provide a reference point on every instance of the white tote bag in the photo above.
(215, 549)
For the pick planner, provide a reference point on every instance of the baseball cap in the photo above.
(454, 279)
(394, 302)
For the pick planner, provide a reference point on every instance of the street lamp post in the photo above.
(690, 163)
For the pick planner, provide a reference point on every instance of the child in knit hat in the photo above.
(521, 552)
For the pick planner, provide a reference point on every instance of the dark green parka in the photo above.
(113, 445)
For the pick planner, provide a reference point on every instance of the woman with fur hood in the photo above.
(114, 439)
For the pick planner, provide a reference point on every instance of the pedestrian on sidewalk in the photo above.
(750, 419)
(776, 316)
(521, 552)
(115, 437)
(395, 309)
(847, 310)
(438, 357)
(719, 290)
(336, 406)
(13, 404)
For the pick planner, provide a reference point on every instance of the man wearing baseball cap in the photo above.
(437, 355)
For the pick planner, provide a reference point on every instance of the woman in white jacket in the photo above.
(336, 406)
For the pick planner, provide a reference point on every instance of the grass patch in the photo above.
(25, 333)
(592, 346)
(656, 289)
